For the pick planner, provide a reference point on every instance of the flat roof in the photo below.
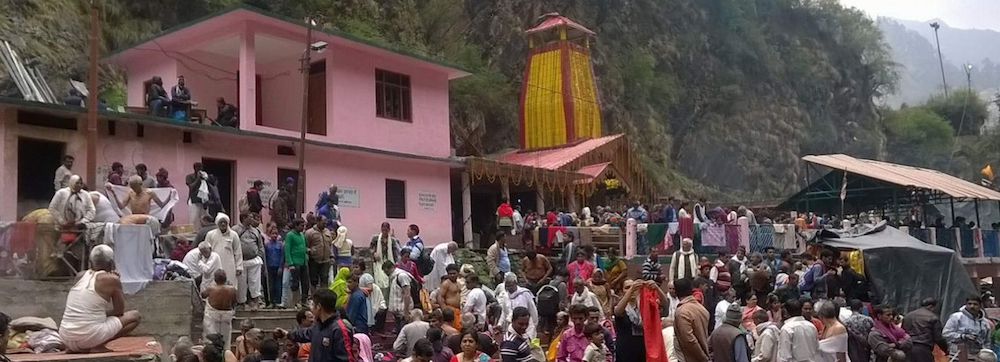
(241, 11)
(149, 120)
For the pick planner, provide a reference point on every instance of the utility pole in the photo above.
(306, 60)
(92, 99)
(935, 25)
(968, 76)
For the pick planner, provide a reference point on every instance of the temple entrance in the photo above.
(37, 161)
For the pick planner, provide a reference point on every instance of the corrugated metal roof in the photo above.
(554, 158)
(906, 176)
(592, 171)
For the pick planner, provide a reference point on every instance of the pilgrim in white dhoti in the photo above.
(511, 296)
(227, 244)
(442, 255)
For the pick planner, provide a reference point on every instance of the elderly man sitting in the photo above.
(95, 308)
(72, 205)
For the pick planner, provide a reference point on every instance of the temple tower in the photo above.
(559, 103)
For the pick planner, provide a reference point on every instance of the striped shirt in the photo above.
(514, 348)
(651, 269)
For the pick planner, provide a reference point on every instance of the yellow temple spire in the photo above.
(559, 103)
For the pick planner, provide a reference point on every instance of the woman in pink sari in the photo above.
(750, 307)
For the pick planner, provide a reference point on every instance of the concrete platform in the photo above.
(130, 349)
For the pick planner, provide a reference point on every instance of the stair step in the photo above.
(267, 323)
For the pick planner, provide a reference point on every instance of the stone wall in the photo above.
(166, 306)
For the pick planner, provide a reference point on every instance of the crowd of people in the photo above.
(736, 308)
(583, 306)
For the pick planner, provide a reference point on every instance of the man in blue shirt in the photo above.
(638, 213)
(327, 196)
(357, 306)
(415, 244)
(331, 212)
(669, 212)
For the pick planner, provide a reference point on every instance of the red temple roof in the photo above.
(553, 20)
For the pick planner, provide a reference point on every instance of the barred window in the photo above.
(392, 96)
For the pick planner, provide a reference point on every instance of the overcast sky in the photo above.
(979, 14)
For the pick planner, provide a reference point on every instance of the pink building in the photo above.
(378, 125)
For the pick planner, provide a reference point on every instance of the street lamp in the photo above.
(935, 25)
(968, 75)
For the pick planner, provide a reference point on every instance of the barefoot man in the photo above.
(95, 308)
(450, 294)
(219, 309)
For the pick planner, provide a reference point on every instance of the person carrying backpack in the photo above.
(550, 299)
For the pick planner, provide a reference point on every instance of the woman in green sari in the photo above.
(339, 286)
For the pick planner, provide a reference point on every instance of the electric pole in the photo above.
(93, 99)
(935, 25)
(306, 60)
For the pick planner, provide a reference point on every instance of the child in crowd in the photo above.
(274, 256)
(596, 351)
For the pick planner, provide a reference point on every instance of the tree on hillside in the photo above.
(918, 136)
(965, 111)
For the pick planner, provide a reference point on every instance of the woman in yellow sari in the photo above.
(562, 322)
(339, 285)
(615, 271)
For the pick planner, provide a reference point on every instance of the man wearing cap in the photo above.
(728, 342)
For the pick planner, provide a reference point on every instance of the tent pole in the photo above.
(951, 200)
(807, 188)
(978, 223)
(895, 207)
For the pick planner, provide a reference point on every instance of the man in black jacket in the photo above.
(330, 337)
(924, 328)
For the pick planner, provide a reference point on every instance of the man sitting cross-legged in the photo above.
(95, 307)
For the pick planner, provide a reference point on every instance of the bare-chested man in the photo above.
(450, 294)
(219, 313)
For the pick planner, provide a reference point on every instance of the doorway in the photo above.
(223, 170)
(37, 161)
(284, 174)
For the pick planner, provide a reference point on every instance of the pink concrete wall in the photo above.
(352, 115)
(163, 147)
(363, 172)
(206, 79)
(281, 87)
(156, 64)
